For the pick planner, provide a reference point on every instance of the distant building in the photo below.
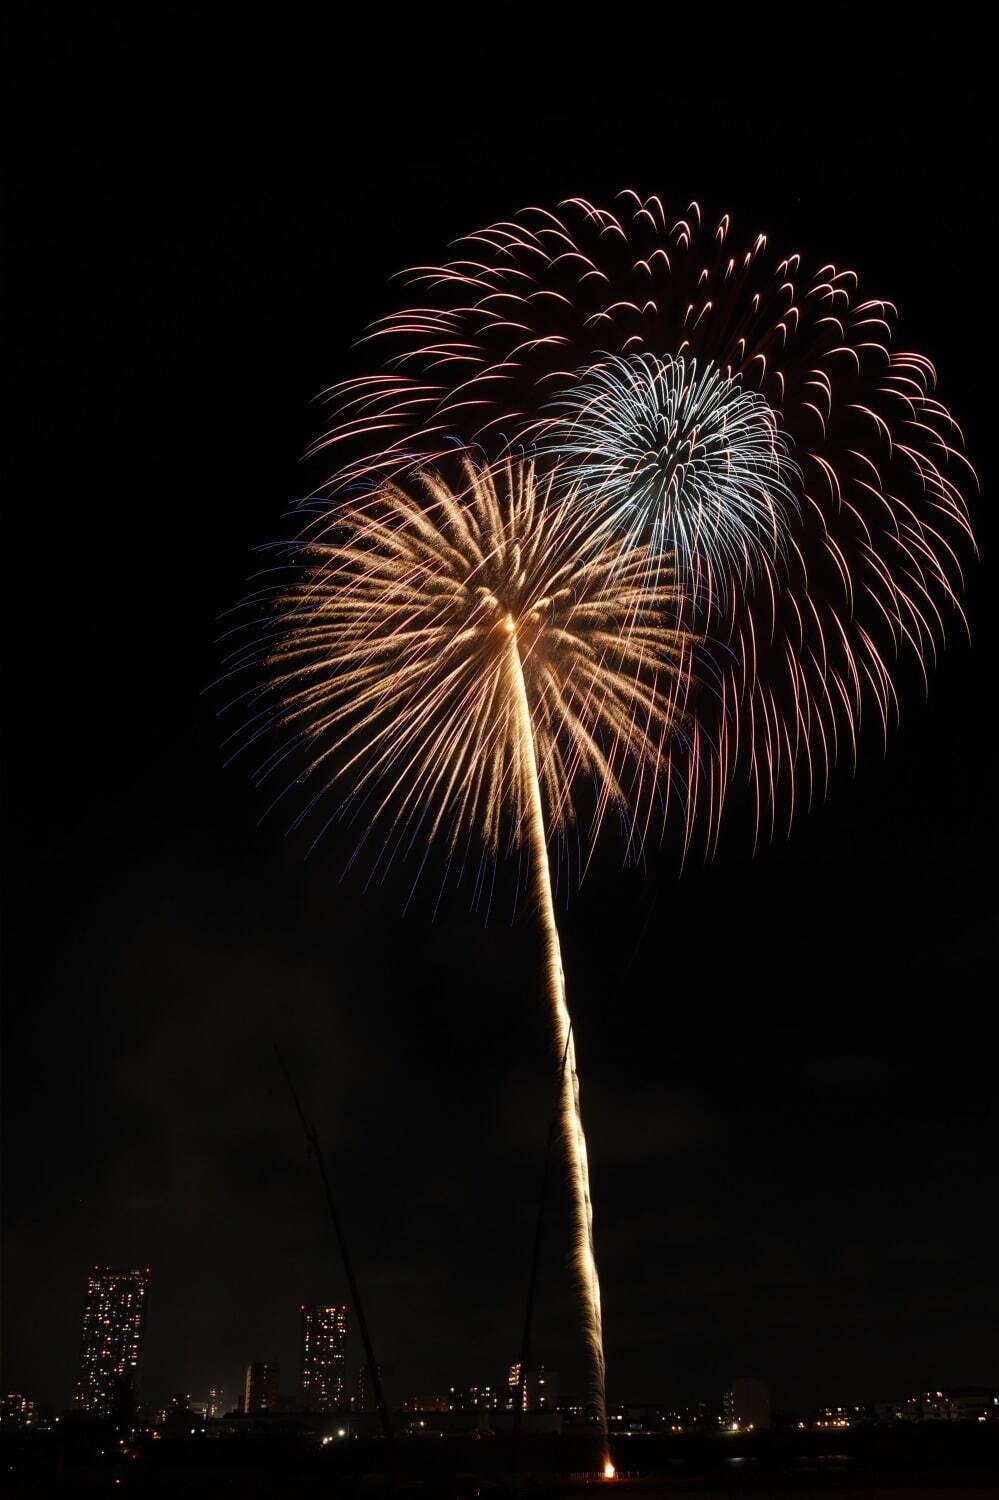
(17, 1410)
(835, 1418)
(473, 1398)
(180, 1413)
(538, 1391)
(746, 1407)
(975, 1403)
(427, 1403)
(216, 1402)
(700, 1416)
(363, 1397)
(113, 1321)
(962, 1404)
(643, 1417)
(324, 1352)
(260, 1387)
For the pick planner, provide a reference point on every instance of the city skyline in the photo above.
(111, 1348)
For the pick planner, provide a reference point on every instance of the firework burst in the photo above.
(571, 329)
(686, 459)
(389, 651)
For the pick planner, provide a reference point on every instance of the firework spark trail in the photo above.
(584, 1256)
(454, 665)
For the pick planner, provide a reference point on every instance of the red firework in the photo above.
(870, 568)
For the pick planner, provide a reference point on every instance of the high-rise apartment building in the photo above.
(324, 1352)
(536, 1391)
(113, 1321)
(260, 1386)
(746, 1406)
(473, 1398)
(363, 1398)
(17, 1410)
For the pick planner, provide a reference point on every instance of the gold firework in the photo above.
(414, 630)
(460, 662)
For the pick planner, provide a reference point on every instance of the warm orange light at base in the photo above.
(609, 1470)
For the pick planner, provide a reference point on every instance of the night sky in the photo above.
(787, 1062)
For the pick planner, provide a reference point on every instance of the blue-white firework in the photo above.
(687, 459)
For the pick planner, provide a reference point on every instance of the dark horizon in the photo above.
(785, 1058)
